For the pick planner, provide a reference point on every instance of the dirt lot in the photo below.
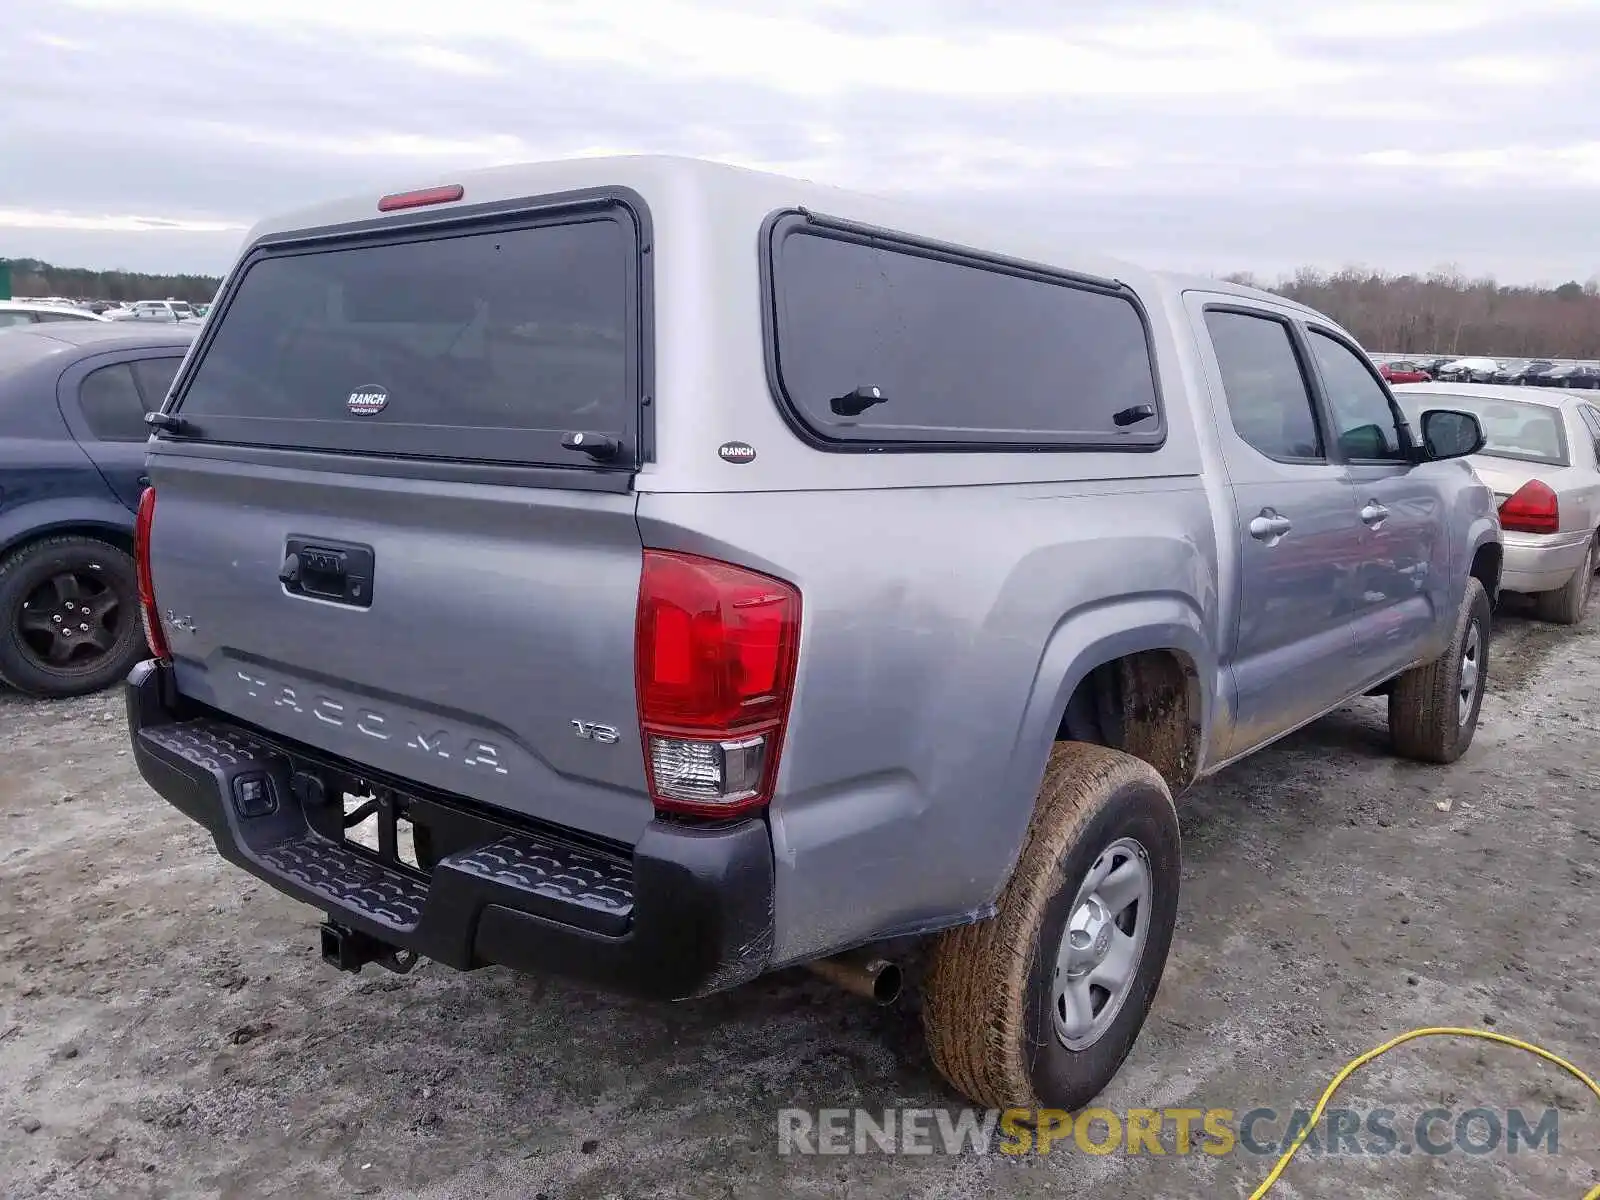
(167, 1030)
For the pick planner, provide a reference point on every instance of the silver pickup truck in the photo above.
(662, 574)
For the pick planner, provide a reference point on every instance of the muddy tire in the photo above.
(69, 617)
(1433, 709)
(1566, 605)
(1018, 1013)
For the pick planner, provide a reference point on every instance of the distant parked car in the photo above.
(28, 313)
(72, 444)
(1582, 376)
(1523, 373)
(1585, 376)
(1542, 458)
(153, 310)
(1403, 370)
(1468, 370)
(1432, 363)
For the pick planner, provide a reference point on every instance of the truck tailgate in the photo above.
(492, 656)
(395, 518)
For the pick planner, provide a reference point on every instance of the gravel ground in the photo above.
(166, 1028)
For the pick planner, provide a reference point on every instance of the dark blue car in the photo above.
(72, 447)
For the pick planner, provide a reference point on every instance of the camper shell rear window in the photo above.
(488, 340)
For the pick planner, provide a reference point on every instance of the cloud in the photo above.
(19, 218)
(449, 62)
(1149, 123)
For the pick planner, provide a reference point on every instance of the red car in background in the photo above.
(1402, 370)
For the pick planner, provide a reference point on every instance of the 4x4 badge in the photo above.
(365, 401)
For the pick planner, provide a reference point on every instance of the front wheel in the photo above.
(1433, 709)
(1038, 1006)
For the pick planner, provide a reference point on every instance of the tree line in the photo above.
(30, 277)
(1447, 313)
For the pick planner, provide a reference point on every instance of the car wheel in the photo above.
(1566, 605)
(1038, 1006)
(69, 617)
(1433, 709)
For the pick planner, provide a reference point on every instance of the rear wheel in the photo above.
(1566, 605)
(69, 617)
(1433, 709)
(1038, 1006)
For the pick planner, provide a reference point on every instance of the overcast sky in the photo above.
(1232, 135)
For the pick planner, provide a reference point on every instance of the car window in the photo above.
(112, 406)
(155, 376)
(14, 317)
(1265, 389)
(961, 351)
(1364, 425)
(490, 345)
(1591, 418)
(1513, 429)
(62, 316)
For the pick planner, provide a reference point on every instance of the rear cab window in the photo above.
(487, 343)
(881, 342)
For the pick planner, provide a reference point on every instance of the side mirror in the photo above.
(1450, 433)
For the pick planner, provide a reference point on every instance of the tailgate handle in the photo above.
(339, 572)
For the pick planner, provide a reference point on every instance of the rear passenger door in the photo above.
(1299, 541)
(1405, 584)
(104, 401)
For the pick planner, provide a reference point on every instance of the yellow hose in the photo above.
(1355, 1064)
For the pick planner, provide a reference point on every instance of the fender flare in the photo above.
(41, 518)
(1485, 531)
(1083, 640)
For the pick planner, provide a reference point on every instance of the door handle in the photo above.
(1269, 526)
(1373, 513)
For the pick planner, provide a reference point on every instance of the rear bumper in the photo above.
(686, 912)
(1541, 562)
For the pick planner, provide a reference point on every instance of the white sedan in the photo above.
(1542, 458)
(25, 312)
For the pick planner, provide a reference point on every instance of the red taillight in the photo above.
(715, 648)
(1532, 508)
(421, 197)
(148, 613)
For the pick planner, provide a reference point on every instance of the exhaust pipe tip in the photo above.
(870, 976)
(887, 983)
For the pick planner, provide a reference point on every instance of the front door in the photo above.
(1299, 539)
(1405, 579)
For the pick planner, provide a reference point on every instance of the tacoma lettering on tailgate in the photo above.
(312, 705)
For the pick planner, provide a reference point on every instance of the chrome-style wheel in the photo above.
(1471, 668)
(1102, 945)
